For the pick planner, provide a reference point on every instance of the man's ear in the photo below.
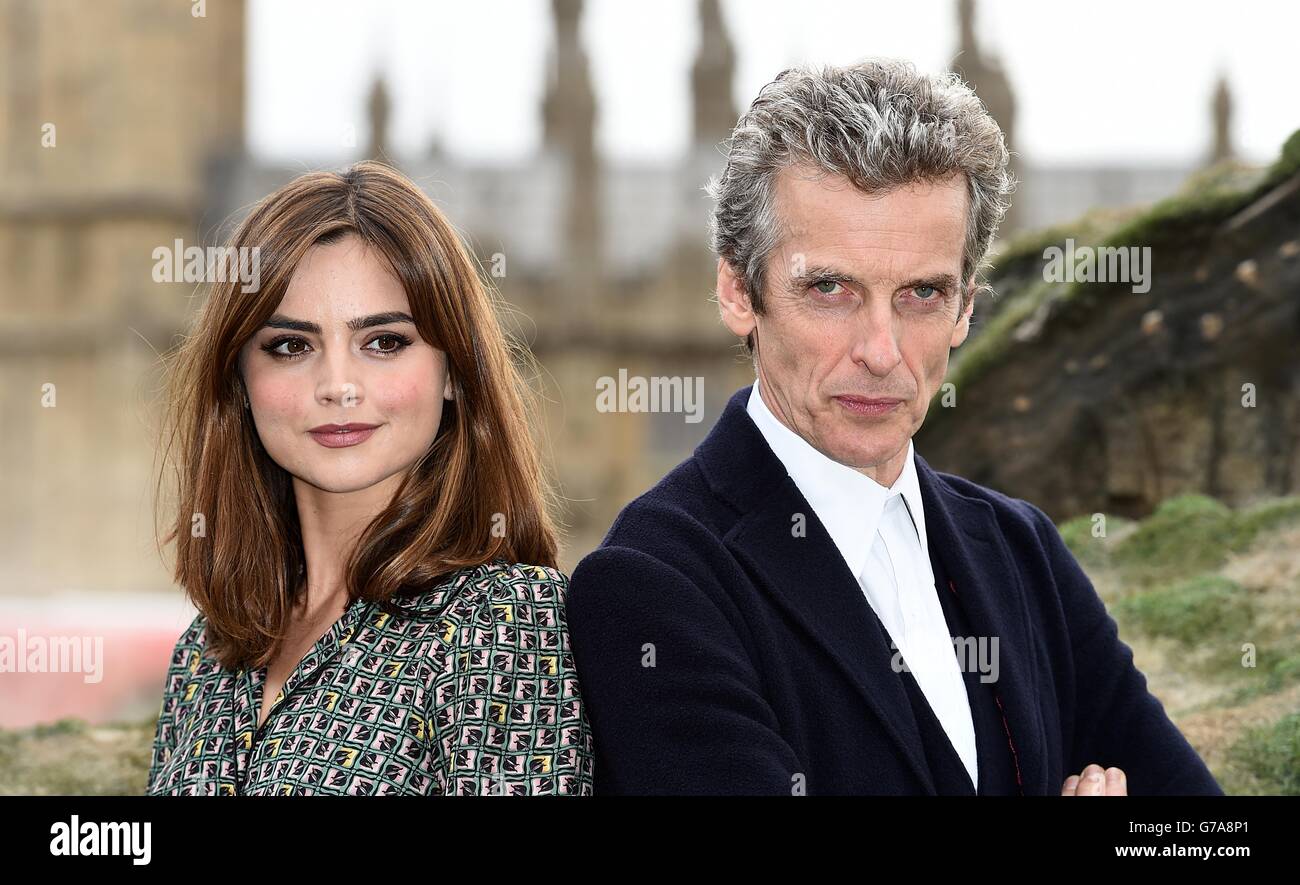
(962, 329)
(733, 301)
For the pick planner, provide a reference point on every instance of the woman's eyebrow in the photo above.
(279, 321)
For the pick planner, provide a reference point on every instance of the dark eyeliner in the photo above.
(270, 347)
(403, 340)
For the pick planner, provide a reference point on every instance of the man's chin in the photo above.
(859, 456)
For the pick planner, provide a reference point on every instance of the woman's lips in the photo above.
(336, 439)
(861, 405)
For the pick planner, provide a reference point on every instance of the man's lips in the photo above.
(868, 405)
(854, 398)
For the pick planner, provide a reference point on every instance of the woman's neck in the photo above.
(331, 523)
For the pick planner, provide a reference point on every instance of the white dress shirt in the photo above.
(887, 552)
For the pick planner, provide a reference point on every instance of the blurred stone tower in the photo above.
(378, 110)
(714, 109)
(117, 120)
(1221, 120)
(985, 74)
(569, 130)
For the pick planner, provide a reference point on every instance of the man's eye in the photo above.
(827, 287)
(924, 291)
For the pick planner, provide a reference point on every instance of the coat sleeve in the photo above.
(514, 722)
(676, 703)
(1117, 720)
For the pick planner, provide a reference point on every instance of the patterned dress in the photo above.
(468, 688)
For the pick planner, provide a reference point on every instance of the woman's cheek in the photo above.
(283, 403)
(396, 396)
(415, 388)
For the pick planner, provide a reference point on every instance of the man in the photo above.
(780, 613)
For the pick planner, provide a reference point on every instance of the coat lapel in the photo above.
(964, 533)
(806, 577)
(803, 572)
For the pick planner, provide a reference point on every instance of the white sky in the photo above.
(1096, 81)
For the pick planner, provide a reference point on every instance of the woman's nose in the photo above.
(339, 382)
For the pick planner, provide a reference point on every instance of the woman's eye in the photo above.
(277, 348)
(294, 348)
(393, 343)
(827, 287)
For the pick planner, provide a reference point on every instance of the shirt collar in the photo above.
(848, 504)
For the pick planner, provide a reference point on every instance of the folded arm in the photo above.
(1117, 721)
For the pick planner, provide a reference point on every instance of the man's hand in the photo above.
(1096, 781)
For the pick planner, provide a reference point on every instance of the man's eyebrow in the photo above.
(279, 321)
(815, 274)
(945, 281)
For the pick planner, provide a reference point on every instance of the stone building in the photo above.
(121, 130)
(116, 121)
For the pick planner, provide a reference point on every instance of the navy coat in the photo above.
(720, 652)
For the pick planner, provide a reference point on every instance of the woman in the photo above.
(361, 521)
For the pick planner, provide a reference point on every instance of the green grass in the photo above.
(1191, 534)
(1277, 666)
(70, 757)
(1166, 582)
(1092, 552)
(1270, 756)
(1193, 612)
(1263, 516)
(1186, 535)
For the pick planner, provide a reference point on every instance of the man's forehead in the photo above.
(806, 198)
(825, 214)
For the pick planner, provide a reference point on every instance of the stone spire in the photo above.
(569, 108)
(711, 75)
(1221, 108)
(985, 74)
(378, 110)
(569, 130)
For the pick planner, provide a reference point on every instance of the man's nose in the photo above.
(875, 343)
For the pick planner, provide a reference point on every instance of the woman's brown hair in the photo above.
(478, 493)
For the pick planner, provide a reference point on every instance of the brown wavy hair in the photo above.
(243, 573)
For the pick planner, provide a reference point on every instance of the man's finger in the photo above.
(1070, 783)
(1116, 782)
(1093, 782)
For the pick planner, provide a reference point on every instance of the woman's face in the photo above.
(342, 349)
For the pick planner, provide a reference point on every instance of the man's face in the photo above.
(861, 302)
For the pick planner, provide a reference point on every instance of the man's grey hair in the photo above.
(880, 124)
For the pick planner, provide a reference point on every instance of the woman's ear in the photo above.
(448, 392)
